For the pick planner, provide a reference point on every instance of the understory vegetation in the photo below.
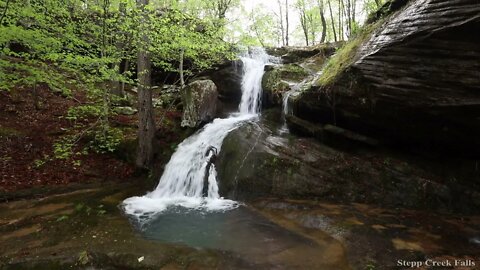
(88, 75)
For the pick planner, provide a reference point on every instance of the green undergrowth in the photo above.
(21, 73)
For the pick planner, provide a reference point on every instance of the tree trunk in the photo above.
(340, 24)
(312, 29)
(333, 21)
(303, 23)
(146, 126)
(286, 21)
(118, 86)
(324, 22)
(349, 17)
(182, 79)
(354, 9)
(282, 27)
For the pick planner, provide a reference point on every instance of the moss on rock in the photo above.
(346, 55)
(276, 80)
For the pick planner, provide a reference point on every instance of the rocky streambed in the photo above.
(85, 229)
(306, 206)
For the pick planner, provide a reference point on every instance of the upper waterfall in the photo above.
(253, 69)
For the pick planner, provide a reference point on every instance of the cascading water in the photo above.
(183, 181)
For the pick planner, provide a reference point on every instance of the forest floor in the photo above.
(29, 127)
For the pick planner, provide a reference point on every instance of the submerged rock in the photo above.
(410, 79)
(199, 103)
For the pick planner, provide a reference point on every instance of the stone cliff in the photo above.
(411, 79)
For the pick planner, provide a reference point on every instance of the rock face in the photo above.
(414, 82)
(297, 54)
(199, 103)
(255, 161)
(298, 64)
(278, 79)
(228, 79)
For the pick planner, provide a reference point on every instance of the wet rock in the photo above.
(276, 81)
(290, 54)
(254, 161)
(228, 79)
(199, 103)
(412, 82)
(303, 127)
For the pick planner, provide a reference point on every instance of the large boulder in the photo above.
(199, 103)
(255, 161)
(410, 79)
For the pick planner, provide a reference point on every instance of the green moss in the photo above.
(293, 72)
(345, 56)
(275, 80)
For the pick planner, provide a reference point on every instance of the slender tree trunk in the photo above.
(124, 69)
(346, 19)
(303, 23)
(312, 29)
(106, 94)
(340, 25)
(333, 21)
(259, 35)
(36, 101)
(118, 87)
(349, 17)
(282, 27)
(146, 126)
(286, 21)
(182, 79)
(322, 19)
(354, 10)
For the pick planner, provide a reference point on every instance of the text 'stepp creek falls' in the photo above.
(240, 134)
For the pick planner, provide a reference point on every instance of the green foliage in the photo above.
(370, 266)
(261, 25)
(63, 149)
(62, 218)
(81, 208)
(106, 140)
(83, 258)
(37, 163)
(79, 46)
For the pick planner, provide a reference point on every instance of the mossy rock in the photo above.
(275, 82)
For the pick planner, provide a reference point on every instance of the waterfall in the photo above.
(183, 181)
(253, 69)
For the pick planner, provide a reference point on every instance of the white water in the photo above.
(253, 69)
(183, 179)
